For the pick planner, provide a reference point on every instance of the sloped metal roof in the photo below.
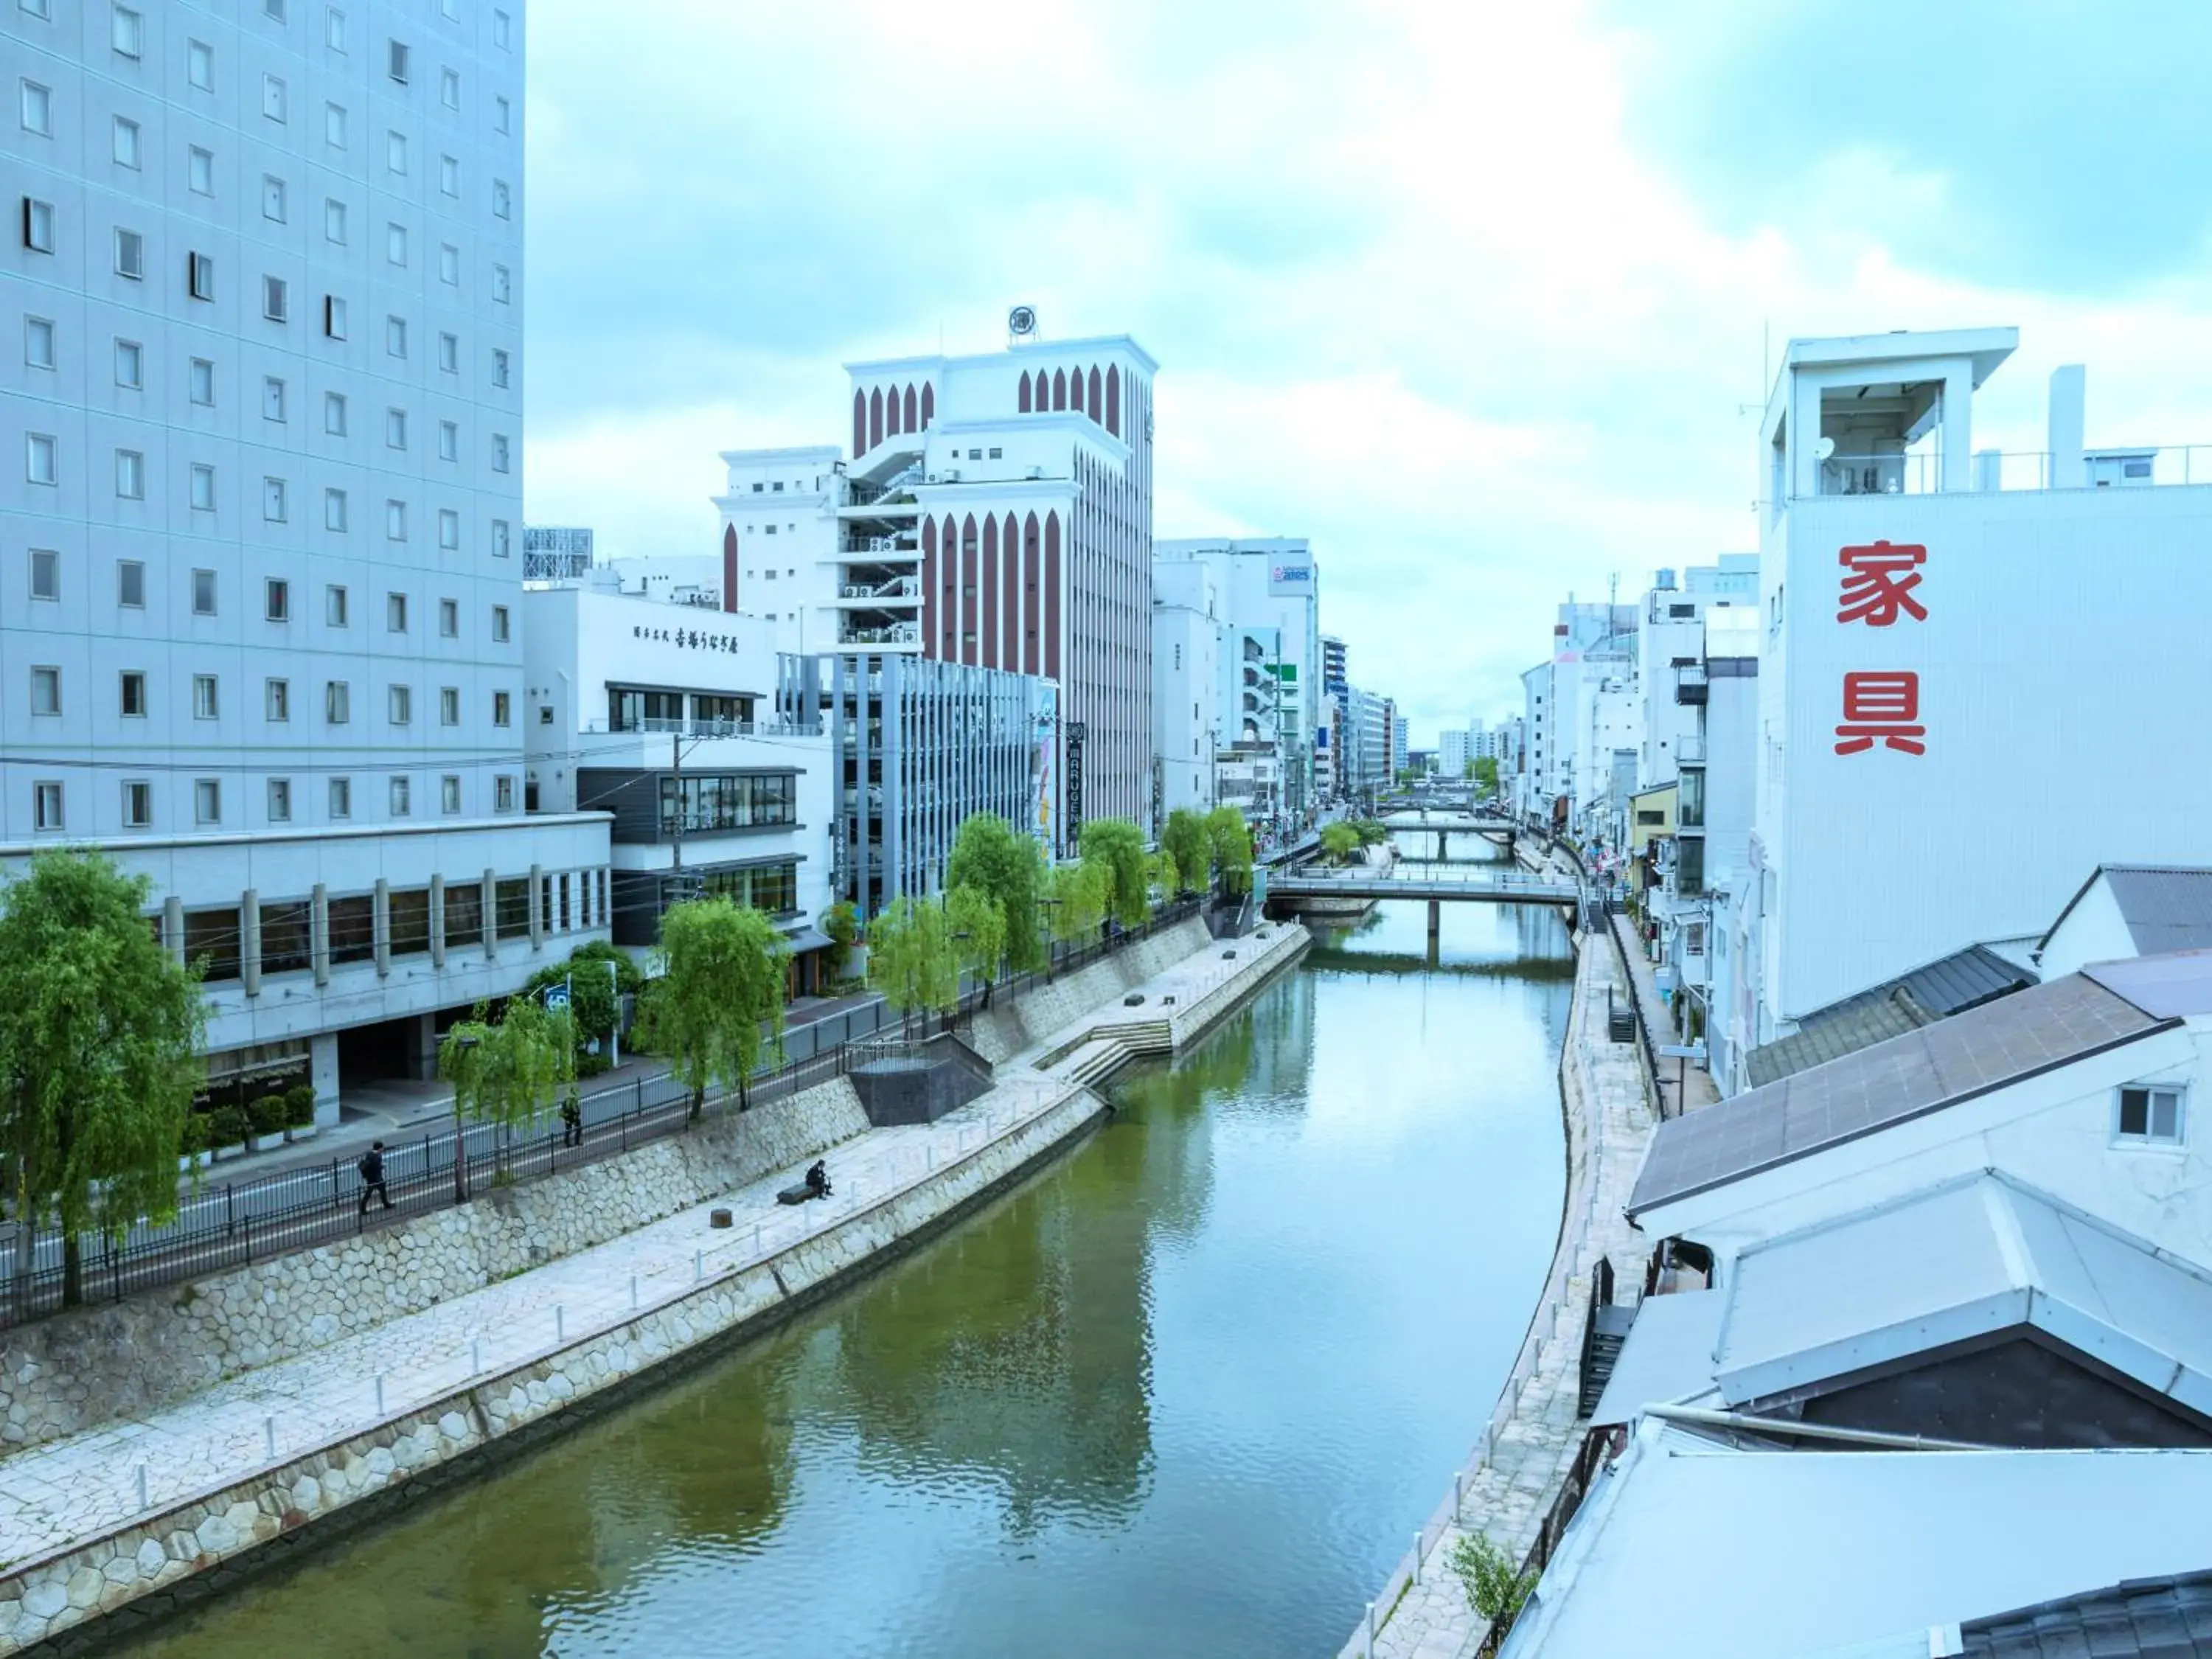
(1669, 1355)
(1987, 1047)
(2166, 1618)
(1936, 990)
(2165, 907)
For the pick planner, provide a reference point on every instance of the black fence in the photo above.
(220, 1227)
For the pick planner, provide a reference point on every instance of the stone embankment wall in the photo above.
(143, 1566)
(89, 1367)
(1013, 1023)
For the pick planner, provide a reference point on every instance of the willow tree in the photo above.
(979, 933)
(1183, 838)
(506, 1073)
(1116, 846)
(718, 1004)
(1339, 842)
(1231, 840)
(990, 854)
(911, 959)
(1078, 895)
(99, 1031)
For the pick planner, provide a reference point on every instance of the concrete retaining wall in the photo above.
(195, 1548)
(1011, 1024)
(91, 1366)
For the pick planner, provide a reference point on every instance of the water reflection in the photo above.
(1185, 1392)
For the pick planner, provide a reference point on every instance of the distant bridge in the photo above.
(1307, 882)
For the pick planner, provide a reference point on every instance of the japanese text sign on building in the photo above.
(1877, 592)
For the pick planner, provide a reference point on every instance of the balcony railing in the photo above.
(895, 547)
(896, 634)
(1690, 749)
(651, 726)
(1920, 472)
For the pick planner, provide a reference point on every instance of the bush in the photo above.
(267, 1115)
(198, 1136)
(299, 1105)
(590, 1065)
(1495, 1586)
(228, 1127)
(841, 923)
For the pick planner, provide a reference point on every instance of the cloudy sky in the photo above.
(1476, 295)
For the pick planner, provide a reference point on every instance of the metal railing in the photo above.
(659, 726)
(1920, 472)
(220, 1228)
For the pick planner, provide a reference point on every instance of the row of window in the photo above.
(39, 219)
(276, 598)
(133, 702)
(49, 803)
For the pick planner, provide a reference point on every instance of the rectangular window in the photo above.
(38, 226)
(273, 10)
(38, 463)
(395, 336)
(449, 800)
(130, 584)
(207, 700)
(131, 699)
(273, 299)
(38, 341)
(273, 204)
(334, 28)
(502, 116)
(127, 147)
(203, 488)
(199, 171)
(499, 538)
(395, 244)
(334, 126)
(498, 623)
(130, 474)
(129, 255)
(352, 925)
(334, 606)
(272, 398)
(502, 200)
(138, 805)
(449, 440)
(276, 701)
(334, 317)
(449, 619)
(277, 599)
(499, 451)
(199, 64)
(395, 521)
(129, 365)
(207, 808)
(449, 265)
(2150, 1116)
(449, 353)
(449, 88)
(342, 802)
(503, 709)
(463, 904)
(334, 414)
(395, 151)
(395, 60)
(334, 221)
(46, 805)
(338, 702)
(401, 702)
(272, 98)
(46, 690)
(409, 912)
(334, 510)
(395, 428)
(199, 269)
(46, 574)
(127, 32)
(395, 612)
(280, 811)
(502, 30)
(203, 382)
(499, 284)
(499, 366)
(402, 797)
(449, 705)
(37, 109)
(273, 505)
(449, 529)
(503, 795)
(511, 906)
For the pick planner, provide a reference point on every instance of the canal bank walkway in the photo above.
(1687, 1087)
(91, 1523)
(1510, 1482)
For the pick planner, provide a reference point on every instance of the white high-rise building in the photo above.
(261, 504)
(1187, 640)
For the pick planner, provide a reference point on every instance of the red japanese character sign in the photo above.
(1879, 587)
(1883, 706)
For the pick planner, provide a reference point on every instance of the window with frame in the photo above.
(199, 64)
(130, 474)
(449, 530)
(277, 701)
(408, 910)
(199, 171)
(199, 270)
(395, 336)
(502, 115)
(395, 244)
(395, 613)
(207, 697)
(203, 488)
(338, 702)
(397, 60)
(395, 428)
(395, 521)
(273, 502)
(334, 28)
(272, 398)
(334, 317)
(501, 457)
(400, 704)
(130, 584)
(403, 794)
(38, 341)
(36, 104)
(277, 599)
(334, 510)
(499, 538)
(449, 801)
(352, 922)
(274, 205)
(464, 906)
(46, 801)
(449, 440)
(280, 803)
(128, 147)
(45, 690)
(275, 299)
(395, 152)
(334, 126)
(130, 694)
(449, 265)
(503, 709)
(502, 30)
(129, 255)
(129, 365)
(272, 98)
(334, 414)
(40, 465)
(201, 377)
(449, 353)
(449, 87)
(449, 619)
(334, 221)
(46, 573)
(341, 795)
(502, 200)
(501, 284)
(38, 225)
(499, 624)
(288, 932)
(138, 805)
(449, 705)
(334, 606)
(2149, 1114)
(499, 366)
(502, 800)
(126, 33)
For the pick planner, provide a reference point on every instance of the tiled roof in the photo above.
(2140, 1619)
(1987, 1047)
(1965, 979)
(2165, 907)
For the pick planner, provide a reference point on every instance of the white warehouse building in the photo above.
(261, 637)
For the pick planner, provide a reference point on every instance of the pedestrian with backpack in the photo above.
(371, 1177)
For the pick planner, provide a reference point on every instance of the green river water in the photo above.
(1188, 1390)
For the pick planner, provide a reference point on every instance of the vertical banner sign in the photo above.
(1046, 720)
(1881, 704)
(1072, 811)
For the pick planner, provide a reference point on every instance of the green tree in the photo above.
(594, 998)
(99, 1031)
(1230, 839)
(911, 958)
(1116, 846)
(840, 924)
(506, 1073)
(1495, 1586)
(720, 999)
(1485, 770)
(1161, 873)
(1339, 842)
(1371, 831)
(1079, 899)
(979, 933)
(992, 856)
(1184, 839)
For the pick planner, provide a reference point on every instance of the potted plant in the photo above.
(266, 1117)
(193, 1152)
(300, 1112)
(228, 1127)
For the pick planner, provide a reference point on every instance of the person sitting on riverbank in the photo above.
(818, 1179)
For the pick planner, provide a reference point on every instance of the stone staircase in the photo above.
(1097, 1055)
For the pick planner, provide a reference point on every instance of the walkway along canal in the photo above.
(1183, 1391)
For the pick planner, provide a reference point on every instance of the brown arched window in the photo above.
(1059, 388)
(860, 424)
(928, 404)
(969, 538)
(929, 599)
(913, 413)
(875, 417)
(948, 591)
(987, 625)
(891, 414)
(1030, 578)
(1114, 401)
(729, 567)
(1051, 596)
(1097, 409)
(1021, 397)
(1009, 597)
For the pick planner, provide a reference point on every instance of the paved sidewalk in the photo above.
(1518, 1467)
(1696, 1085)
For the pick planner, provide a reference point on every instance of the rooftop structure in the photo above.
(1936, 990)
(2131, 910)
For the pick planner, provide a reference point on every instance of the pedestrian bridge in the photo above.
(1514, 887)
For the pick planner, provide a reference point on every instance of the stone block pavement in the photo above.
(1526, 1451)
(68, 1493)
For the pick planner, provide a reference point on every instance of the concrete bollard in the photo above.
(1371, 1631)
(269, 1435)
(559, 1334)
(380, 1393)
(476, 1355)
(698, 1265)
(142, 1504)
(633, 1292)
(1417, 1558)
(1459, 1489)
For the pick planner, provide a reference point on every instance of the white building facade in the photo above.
(261, 546)
(1187, 640)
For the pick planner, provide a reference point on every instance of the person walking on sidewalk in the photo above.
(572, 1121)
(371, 1177)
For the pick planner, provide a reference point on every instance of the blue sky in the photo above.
(1477, 297)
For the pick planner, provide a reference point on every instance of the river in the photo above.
(1187, 1391)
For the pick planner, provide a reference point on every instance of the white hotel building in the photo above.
(260, 506)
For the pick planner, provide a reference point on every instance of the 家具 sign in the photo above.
(1881, 704)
